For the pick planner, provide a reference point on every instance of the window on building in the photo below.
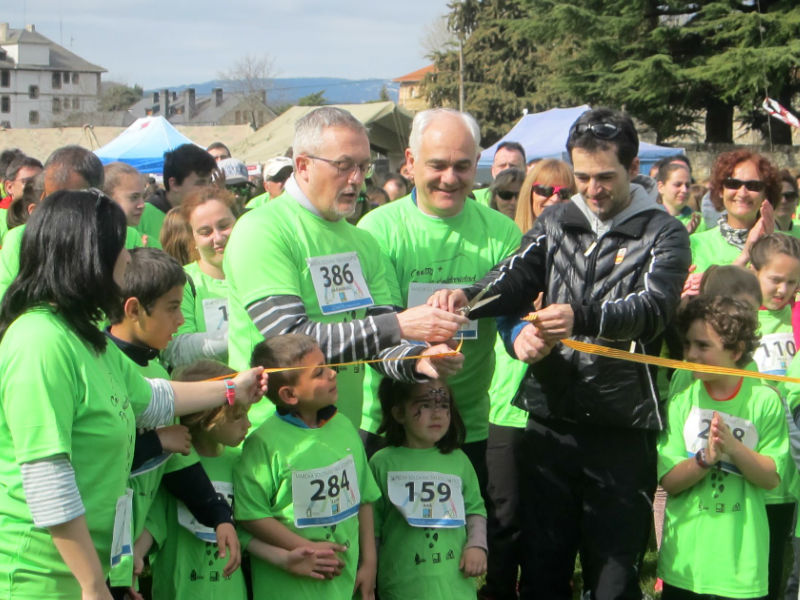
(76, 103)
(5, 78)
(56, 105)
(33, 117)
(5, 104)
(56, 81)
(33, 91)
(74, 78)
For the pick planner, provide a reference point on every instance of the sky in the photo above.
(172, 42)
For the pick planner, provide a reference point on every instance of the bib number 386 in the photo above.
(339, 282)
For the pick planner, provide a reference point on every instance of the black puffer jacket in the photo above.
(623, 288)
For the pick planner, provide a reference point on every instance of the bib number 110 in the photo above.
(428, 491)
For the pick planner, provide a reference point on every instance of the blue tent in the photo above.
(544, 135)
(142, 144)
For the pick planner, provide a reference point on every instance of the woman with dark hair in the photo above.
(71, 404)
(747, 186)
(785, 208)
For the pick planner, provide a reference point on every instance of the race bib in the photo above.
(327, 495)
(697, 427)
(418, 293)
(427, 498)
(339, 283)
(121, 544)
(186, 519)
(774, 353)
(215, 314)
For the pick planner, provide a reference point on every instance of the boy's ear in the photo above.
(132, 308)
(737, 354)
(286, 394)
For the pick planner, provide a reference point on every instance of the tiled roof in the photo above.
(417, 75)
(60, 57)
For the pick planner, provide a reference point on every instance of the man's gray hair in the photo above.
(308, 129)
(426, 117)
(74, 159)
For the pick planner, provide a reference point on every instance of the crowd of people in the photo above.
(423, 425)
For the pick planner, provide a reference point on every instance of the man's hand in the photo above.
(428, 324)
(175, 438)
(442, 367)
(228, 545)
(449, 300)
(555, 321)
(530, 346)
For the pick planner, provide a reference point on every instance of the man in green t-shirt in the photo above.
(509, 155)
(434, 238)
(185, 168)
(296, 266)
(276, 172)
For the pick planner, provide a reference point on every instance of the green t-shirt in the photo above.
(268, 254)
(428, 253)
(61, 397)
(186, 565)
(686, 215)
(418, 561)
(150, 224)
(319, 469)
(508, 375)
(206, 302)
(483, 196)
(257, 201)
(710, 248)
(793, 231)
(3, 222)
(773, 355)
(716, 536)
(133, 239)
(9, 257)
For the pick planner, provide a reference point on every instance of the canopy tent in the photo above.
(544, 135)
(388, 128)
(142, 144)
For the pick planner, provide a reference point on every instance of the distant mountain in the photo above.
(290, 90)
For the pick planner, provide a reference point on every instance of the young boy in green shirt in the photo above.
(303, 478)
(150, 316)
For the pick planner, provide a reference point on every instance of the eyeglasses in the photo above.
(789, 196)
(752, 185)
(347, 166)
(604, 130)
(506, 194)
(548, 190)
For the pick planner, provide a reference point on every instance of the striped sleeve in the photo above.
(51, 491)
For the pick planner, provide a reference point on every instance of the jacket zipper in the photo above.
(594, 247)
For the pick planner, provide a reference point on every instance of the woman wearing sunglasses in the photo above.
(504, 191)
(748, 186)
(785, 209)
(549, 182)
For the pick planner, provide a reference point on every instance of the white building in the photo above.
(41, 83)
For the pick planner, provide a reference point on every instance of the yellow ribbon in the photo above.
(354, 362)
(659, 361)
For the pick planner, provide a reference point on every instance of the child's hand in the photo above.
(473, 561)
(365, 581)
(325, 547)
(250, 386)
(226, 538)
(175, 438)
(308, 562)
(721, 437)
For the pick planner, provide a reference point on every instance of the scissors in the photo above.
(477, 301)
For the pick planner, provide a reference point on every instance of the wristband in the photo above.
(230, 391)
(700, 457)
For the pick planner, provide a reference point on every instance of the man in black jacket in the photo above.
(611, 265)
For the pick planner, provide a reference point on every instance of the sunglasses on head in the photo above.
(752, 185)
(548, 190)
(506, 194)
(604, 130)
